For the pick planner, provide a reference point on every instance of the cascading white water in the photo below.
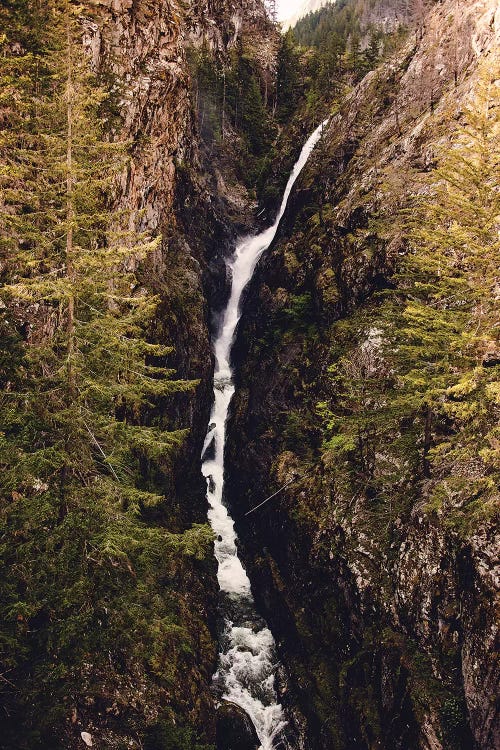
(247, 663)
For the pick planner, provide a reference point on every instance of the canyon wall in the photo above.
(172, 186)
(382, 603)
(106, 634)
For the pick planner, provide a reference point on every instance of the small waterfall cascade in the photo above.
(247, 659)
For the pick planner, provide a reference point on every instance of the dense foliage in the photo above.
(422, 387)
(234, 108)
(318, 63)
(92, 590)
(342, 48)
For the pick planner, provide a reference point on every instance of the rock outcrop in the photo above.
(384, 621)
(235, 730)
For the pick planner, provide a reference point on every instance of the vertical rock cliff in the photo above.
(141, 578)
(375, 562)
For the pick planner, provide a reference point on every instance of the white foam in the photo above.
(247, 661)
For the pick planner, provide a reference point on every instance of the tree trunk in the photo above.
(427, 442)
(70, 205)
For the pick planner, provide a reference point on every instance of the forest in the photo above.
(85, 442)
(366, 369)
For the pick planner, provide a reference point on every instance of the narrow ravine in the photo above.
(247, 661)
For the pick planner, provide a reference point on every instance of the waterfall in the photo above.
(247, 661)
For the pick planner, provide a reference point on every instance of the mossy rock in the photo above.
(235, 730)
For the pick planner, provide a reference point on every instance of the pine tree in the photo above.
(372, 52)
(78, 461)
(450, 317)
(354, 59)
(417, 393)
(253, 115)
(287, 77)
(210, 80)
(71, 265)
(331, 65)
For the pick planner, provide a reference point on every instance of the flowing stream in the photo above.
(247, 660)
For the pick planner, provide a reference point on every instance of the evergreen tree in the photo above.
(209, 77)
(450, 318)
(419, 379)
(75, 270)
(372, 52)
(331, 65)
(253, 115)
(354, 59)
(228, 96)
(79, 373)
(339, 55)
(287, 77)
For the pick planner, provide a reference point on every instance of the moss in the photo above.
(452, 714)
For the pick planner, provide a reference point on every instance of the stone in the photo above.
(235, 730)
(491, 359)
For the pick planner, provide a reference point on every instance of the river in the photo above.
(247, 661)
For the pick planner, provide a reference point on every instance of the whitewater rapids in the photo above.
(247, 661)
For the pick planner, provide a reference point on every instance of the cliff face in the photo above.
(153, 692)
(173, 187)
(383, 603)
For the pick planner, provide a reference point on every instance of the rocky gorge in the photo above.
(375, 609)
(375, 565)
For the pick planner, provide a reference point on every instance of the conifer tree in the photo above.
(287, 77)
(253, 115)
(81, 472)
(420, 379)
(72, 276)
(450, 318)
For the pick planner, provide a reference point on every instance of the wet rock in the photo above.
(235, 730)
(491, 359)
(406, 621)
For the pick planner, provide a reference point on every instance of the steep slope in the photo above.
(108, 607)
(375, 563)
(384, 16)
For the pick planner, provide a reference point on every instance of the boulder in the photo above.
(235, 730)
(491, 358)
